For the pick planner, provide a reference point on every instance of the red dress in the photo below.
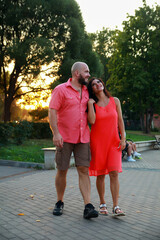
(105, 155)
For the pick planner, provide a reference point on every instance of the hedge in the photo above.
(18, 132)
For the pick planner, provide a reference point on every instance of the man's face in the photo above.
(84, 75)
(82, 80)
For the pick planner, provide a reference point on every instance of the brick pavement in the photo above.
(33, 194)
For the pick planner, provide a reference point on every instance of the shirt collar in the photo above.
(68, 84)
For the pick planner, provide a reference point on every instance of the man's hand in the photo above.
(58, 140)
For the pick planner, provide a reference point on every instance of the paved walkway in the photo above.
(32, 193)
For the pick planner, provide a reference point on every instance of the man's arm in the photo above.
(57, 138)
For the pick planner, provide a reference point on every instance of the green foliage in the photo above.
(39, 113)
(41, 131)
(135, 63)
(102, 43)
(38, 32)
(18, 132)
(29, 151)
(6, 131)
(21, 132)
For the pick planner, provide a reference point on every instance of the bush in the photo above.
(18, 132)
(22, 131)
(41, 130)
(6, 132)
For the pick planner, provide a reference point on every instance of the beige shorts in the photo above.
(81, 152)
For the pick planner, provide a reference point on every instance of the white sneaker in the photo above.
(136, 154)
(130, 159)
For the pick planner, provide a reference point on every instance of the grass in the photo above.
(137, 136)
(31, 151)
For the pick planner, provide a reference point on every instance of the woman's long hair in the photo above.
(90, 90)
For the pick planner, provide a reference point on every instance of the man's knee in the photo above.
(82, 170)
(62, 173)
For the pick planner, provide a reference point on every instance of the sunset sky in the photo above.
(108, 13)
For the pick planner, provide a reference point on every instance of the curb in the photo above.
(21, 164)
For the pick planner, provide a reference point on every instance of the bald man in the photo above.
(68, 122)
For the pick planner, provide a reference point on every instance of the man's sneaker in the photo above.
(130, 159)
(90, 212)
(58, 209)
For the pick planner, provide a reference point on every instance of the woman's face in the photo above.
(97, 86)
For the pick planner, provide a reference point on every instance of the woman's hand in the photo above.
(122, 144)
(91, 101)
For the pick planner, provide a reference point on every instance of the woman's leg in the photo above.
(100, 183)
(114, 186)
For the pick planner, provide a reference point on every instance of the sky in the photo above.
(108, 13)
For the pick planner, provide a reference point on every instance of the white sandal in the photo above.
(117, 211)
(103, 211)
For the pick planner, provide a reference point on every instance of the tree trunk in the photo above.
(148, 122)
(7, 110)
(142, 121)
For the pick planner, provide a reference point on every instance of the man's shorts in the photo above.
(81, 152)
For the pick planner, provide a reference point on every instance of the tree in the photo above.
(102, 42)
(34, 33)
(135, 63)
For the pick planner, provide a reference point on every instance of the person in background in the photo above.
(105, 117)
(68, 122)
(131, 151)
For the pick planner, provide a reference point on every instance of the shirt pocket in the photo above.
(70, 100)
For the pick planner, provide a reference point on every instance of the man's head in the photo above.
(80, 72)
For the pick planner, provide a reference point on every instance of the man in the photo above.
(68, 121)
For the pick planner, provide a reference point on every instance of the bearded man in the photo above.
(68, 122)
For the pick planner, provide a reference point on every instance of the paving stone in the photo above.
(33, 193)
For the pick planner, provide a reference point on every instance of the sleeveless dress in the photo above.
(105, 155)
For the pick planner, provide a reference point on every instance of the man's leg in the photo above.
(85, 188)
(60, 183)
(84, 183)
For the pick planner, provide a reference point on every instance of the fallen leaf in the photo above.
(37, 220)
(21, 214)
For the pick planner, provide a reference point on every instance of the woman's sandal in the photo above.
(103, 209)
(117, 212)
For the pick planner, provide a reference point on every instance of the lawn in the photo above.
(137, 136)
(31, 151)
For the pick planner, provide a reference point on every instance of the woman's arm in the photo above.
(120, 123)
(91, 111)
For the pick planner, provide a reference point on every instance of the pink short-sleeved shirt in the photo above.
(71, 112)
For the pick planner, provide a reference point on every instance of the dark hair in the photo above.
(91, 94)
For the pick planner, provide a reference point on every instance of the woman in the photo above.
(105, 116)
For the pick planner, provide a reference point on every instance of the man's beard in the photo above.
(81, 80)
